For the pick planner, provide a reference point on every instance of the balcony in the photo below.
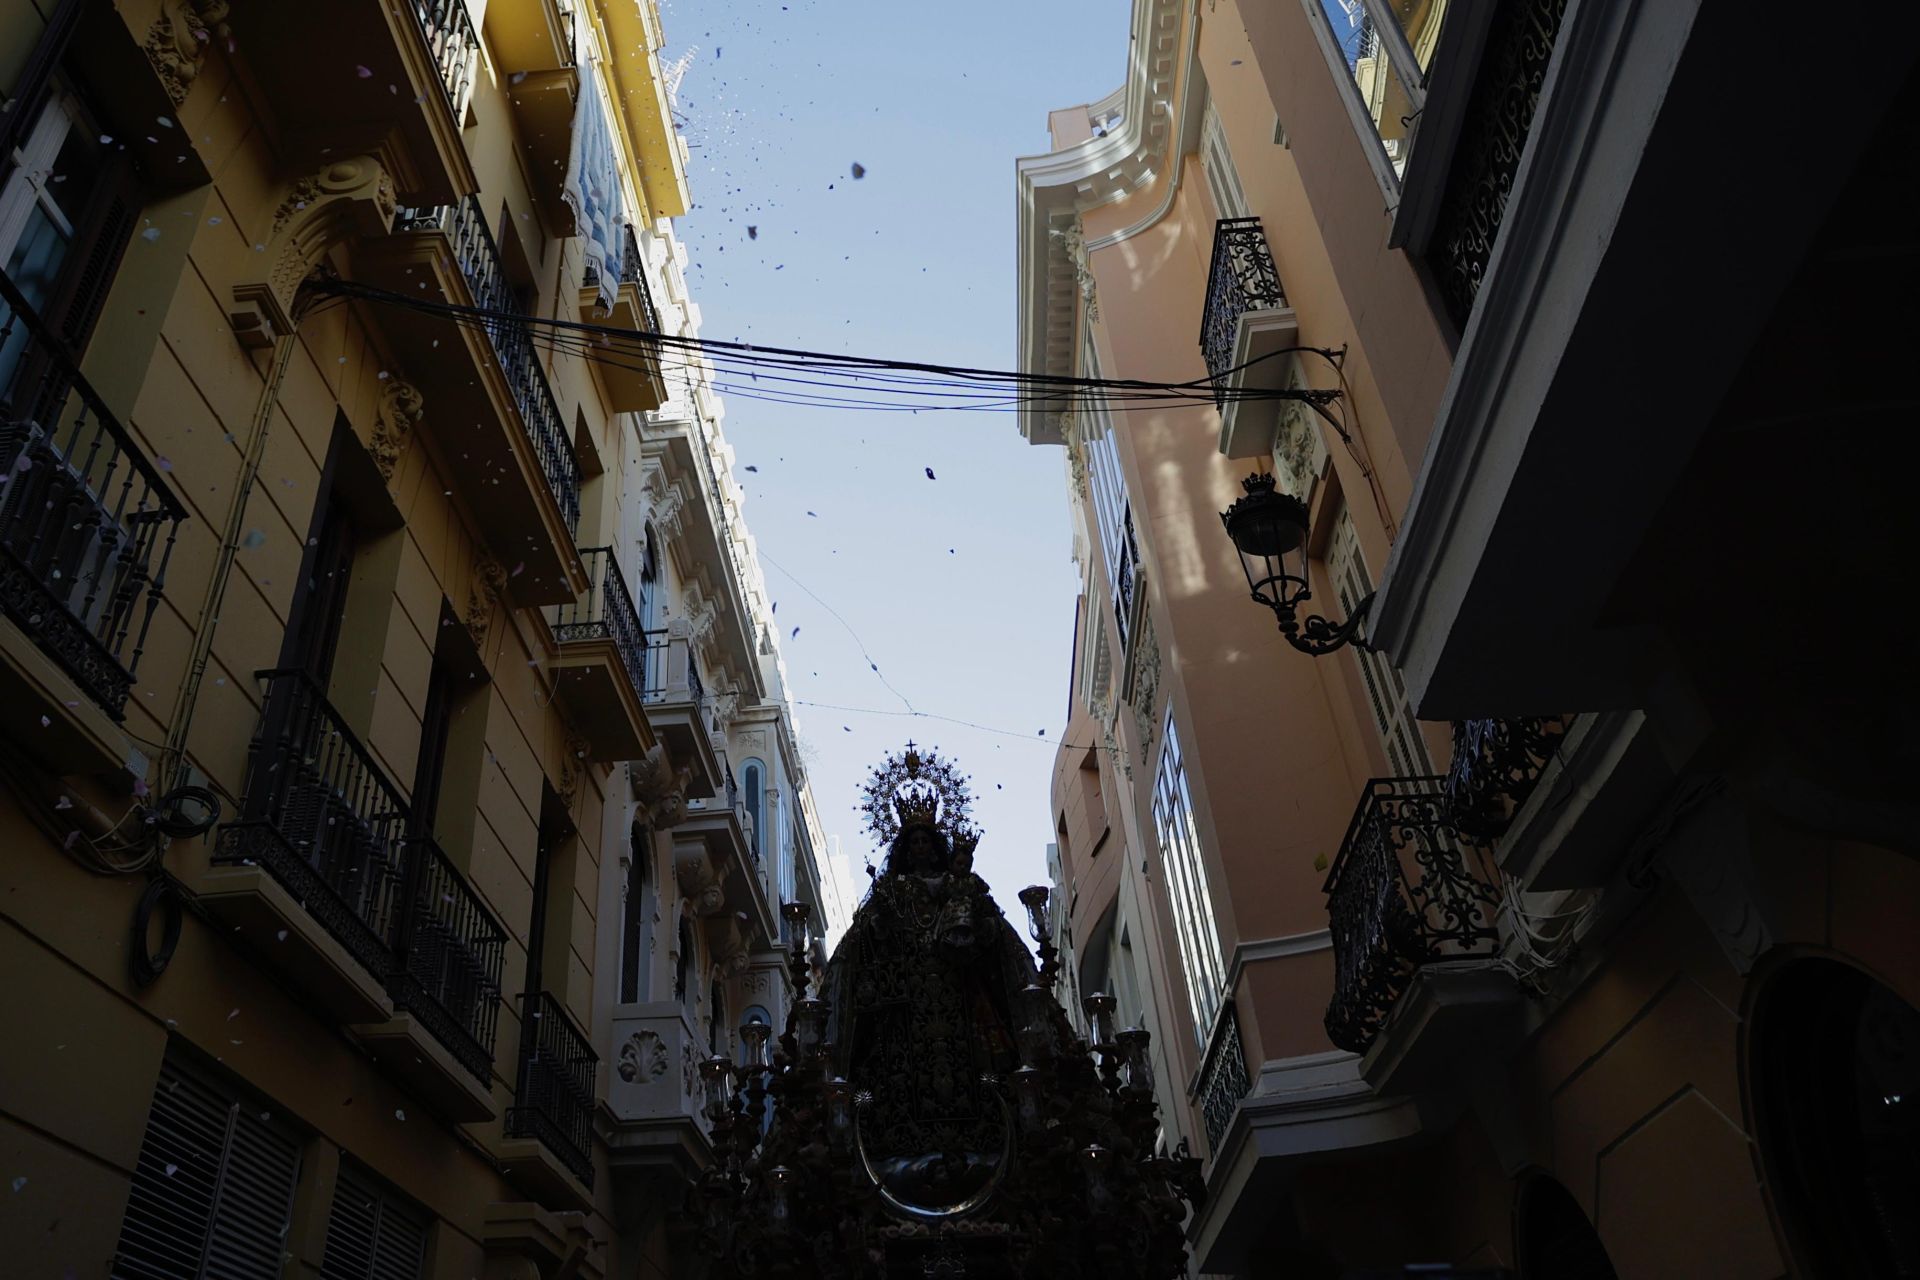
(660, 1141)
(1245, 330)
(677, 709)
(601, 673)
(1223, 1079)
(318, 842)
(353, 76)
(550, 1125)
(376, 925)
(1496, 765)
(531, 35)
(484, 384)
(1412, 905)
(448, 950)
(630, 374)
(87, 523)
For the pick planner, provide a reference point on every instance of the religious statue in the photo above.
(925, 991)
(931, 1114)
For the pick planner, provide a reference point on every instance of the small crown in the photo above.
(917, 803)
(965, 838)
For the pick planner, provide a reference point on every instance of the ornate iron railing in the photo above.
(606, 612)
(1242, 278)
(633, 271)
(448, 950)
(322, 818)
(1223, 1079)
(478, 256)
(1405, 890)
(87, 524)
(555, 1097)
(1496, 764)
(660, 686)
(1493, 134)
(453, 46)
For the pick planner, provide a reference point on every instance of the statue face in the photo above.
(921, 854)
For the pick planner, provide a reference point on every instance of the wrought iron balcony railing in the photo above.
(1486, 157)
(465, 224)
(320, 815)
(1223, 1080)
(1405, 890)
(555, 1097)
(672, 672)
(1242, 278)
(453, 45)
(606, 612)
(448, 951)
(323, 819)
(87, 524)
(1496, 764)
(633, 271)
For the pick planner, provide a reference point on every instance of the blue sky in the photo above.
(959, 587)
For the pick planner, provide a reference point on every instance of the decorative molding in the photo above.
(1073, 241)
(401, 408)
(643, 1054)
(698, 878)
(178, 41)
(489, 585)
(1068, 425)
(346, 198)
(660, 788)
(573, 764)
(1293, 944)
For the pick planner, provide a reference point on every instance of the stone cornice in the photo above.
(1059, 186)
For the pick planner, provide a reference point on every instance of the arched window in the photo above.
(753, 782)
(683, 962)
(1836, 1092)
(636, 921)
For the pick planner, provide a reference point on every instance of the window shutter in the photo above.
(1386, 694)
(212, 1190)
(370, 1234)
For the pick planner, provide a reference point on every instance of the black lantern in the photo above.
(1269, 530)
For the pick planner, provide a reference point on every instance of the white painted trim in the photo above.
(1293, 944)
(1376, 151)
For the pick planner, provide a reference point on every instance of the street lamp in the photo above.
(1269, 530)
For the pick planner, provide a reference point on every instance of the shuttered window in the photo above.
(371, 1233)
(1386, 694)
(213, 1189)
(1188, 895)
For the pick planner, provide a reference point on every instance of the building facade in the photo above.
(401, 793)
(1558, 929)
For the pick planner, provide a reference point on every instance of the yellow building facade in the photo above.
(400, 786)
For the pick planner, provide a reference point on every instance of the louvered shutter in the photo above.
(212, 1190)
(371, 1235)
(1386, 694)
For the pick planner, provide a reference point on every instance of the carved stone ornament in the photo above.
(643, 1054)
(660, 788)
(1074, 241)
(573, 763)
(1143, 679)
(401, 406)
(489, 584)
(698, 878)
(178, 41)
(1076, 452)
(343, 199)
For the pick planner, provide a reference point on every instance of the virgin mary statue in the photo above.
(925, 989)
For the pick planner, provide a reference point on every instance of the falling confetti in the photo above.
(859, 170)
(930, 474)
(795, 633)
(365, 73)
(253, 540)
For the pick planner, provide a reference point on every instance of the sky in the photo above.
(958, 587)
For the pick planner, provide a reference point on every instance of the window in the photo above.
(683, 961)
(753, 777)
(1191, 902)
(1113, 513)
(636, 917)
(550, 923)
(1383, 50)
(371, 1233)
(1222, 180)
(444, 687)
(213, 1187)
(320, 598)
(1386, 693)
(719, 1042)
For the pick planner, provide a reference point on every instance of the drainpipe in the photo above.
(173, 757)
